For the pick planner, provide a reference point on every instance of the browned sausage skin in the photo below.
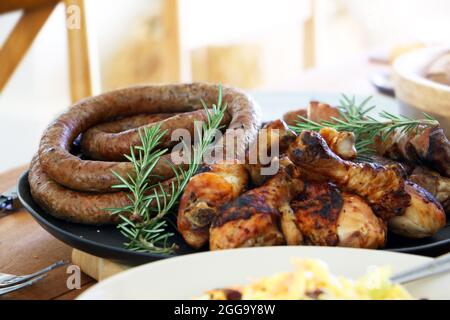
(124, 124)
(113, 146)
(77, 174)
(75, 206)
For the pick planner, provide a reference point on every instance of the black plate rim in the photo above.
(125, 255)
(120, 254)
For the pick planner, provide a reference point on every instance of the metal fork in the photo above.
(437, 266)
(16, 287)
(8, 280)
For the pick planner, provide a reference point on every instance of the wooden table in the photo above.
(25, 248)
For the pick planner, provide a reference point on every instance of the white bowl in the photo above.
(415, 92)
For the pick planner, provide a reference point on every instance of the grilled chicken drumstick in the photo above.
(423, 218)
(253, 218)
(327, 217)
(216, 185)
(383, 188)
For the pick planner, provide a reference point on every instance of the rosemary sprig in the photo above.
(144, 222)
(355, 118)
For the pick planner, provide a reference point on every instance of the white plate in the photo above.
(191, 275)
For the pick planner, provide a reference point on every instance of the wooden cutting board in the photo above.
(96, 267)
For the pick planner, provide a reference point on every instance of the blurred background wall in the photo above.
(253, 44)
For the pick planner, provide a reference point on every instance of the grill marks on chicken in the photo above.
(427, 146)
(253, 218)
(325, 216)
(204, 194)
(382, 187)
(316, 212)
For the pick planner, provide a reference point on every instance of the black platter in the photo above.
(107, 241)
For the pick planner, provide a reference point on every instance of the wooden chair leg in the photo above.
(171, 40)
(309, 41)
(79, 67)
(20, 40)
(12, 5)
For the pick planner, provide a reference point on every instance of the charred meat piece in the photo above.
(327, 217)
(423, 218)
(292, 117)
(319, 112)
(434, 183)
(427, 146)
(316, 212)
(253, 218)
(204, 194)
(316, 111)
(383, 188)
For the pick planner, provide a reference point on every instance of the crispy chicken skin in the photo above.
(341, 143)
(428, 146)
(204, 194)
(434, 183)
(423, 218)
(316, 212)
(292, 117)
(383, 188)
(358, 226)
(319, 112)
(273, 140)
(253, 218)
(316, 111)
(327, 217)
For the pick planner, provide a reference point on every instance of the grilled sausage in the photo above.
(114, 145)
(124, 124)
(75, 206)
(86, 175)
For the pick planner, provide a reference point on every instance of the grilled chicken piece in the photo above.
(383, 188)
(423, 218)
(204, 194)
(292, 117)
(434, 183)
(319, 112)
(273, 140)
(341, 143)
(253, 218)
(358, 226)
(327, 217)
(316, 111)
(428, 146)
